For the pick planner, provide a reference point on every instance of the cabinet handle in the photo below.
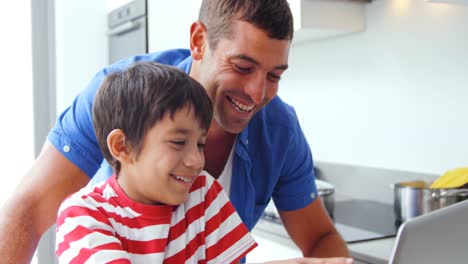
(125, 27)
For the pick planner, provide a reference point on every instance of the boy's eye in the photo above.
(242, 69)
(178, 142)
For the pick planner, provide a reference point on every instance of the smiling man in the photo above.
(254, 146)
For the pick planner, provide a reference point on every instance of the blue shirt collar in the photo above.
(186, 64)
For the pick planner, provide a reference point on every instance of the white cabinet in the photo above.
(321, 19)
(464, 2)
(169, 23)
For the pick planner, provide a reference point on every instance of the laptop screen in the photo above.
(434, 238)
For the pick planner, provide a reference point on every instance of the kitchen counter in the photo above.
(351, 183)
(273, 246)
(374, 251)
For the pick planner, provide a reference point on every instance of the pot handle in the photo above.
(449, 193)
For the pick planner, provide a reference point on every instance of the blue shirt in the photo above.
(271, 155)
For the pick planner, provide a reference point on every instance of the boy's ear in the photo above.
(198, 40)
(117, 146)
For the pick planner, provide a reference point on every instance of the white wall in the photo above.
(167, 28)
(81, 45)
(16, 110)
(395, 96)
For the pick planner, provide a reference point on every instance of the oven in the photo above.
(127, 30)
(355, 219)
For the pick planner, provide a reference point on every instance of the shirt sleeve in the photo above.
(84, 235)
(227, 238)
(296, 185)
(73, 134)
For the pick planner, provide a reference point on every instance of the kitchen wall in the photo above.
(394, 96)
(166, 31)
(16, 109)
(81, 45)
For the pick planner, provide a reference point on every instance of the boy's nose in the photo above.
(195, 159)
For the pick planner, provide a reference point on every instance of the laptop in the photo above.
(438, 237)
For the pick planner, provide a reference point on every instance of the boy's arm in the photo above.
(85, 234)
(32, 209)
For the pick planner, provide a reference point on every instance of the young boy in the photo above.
(151, 122)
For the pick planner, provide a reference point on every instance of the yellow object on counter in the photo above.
(452, 179)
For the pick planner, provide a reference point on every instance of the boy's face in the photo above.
(170, 160)
(241, 74)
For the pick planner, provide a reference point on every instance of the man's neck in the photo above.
(217, 148)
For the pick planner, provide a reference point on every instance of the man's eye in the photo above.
(201, 146)
(274, 77)
(242, 69)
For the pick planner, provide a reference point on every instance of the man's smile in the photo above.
(240, 106)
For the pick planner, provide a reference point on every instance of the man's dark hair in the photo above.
(135, 99)
(274, 17)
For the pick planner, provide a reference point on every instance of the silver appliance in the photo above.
(127, 31)
(356, 220)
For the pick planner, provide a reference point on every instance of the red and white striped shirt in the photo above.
(101, 224)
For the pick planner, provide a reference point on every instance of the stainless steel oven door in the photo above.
(127, 31)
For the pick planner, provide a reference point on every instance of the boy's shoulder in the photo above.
(203, 181)
(204, 189)
(91, 196)
(206, 179)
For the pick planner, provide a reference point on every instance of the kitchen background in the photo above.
(392, 95)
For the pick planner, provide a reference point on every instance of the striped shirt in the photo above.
(100, 224)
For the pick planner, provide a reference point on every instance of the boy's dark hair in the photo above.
(274, 17)
(135, 99)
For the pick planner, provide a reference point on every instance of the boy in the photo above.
(151, 122)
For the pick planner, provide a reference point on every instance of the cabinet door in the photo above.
(169, 23)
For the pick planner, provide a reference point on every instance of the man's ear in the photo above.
(198, 39)
(117, 146)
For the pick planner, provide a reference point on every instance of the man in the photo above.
(255, 147)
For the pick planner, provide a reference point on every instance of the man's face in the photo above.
(170, 160)
(241, 74)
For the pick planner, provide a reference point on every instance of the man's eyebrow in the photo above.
(252, 60)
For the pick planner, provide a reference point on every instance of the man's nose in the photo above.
(256, 88)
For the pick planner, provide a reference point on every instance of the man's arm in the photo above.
(32, 208)
(313, 231)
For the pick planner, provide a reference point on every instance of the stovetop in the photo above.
(356, 220)
(360, 220)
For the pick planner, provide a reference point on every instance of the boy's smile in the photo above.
(184, 181)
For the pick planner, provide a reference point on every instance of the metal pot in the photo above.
(326, 193)
(415, 198)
